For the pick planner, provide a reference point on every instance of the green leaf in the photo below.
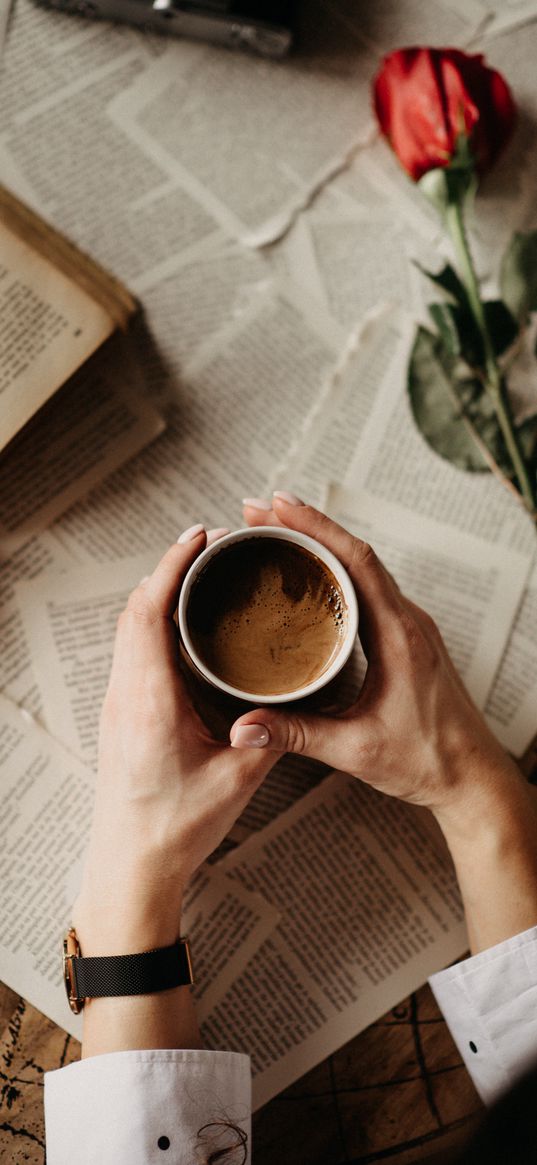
(449, 281)
(502, 326)
(434, 406)
(450, 405)
(518, 275)
(527, 435)
(444, 315)
(461, 335)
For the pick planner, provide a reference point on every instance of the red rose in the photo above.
(425, 99)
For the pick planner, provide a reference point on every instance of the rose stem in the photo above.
(495, 384)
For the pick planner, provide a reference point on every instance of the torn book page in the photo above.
(36, 560)
(370, 908)
(511, 708)
(471, 587)
(252, 140)
(393, 462)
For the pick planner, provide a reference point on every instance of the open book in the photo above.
(57, 307)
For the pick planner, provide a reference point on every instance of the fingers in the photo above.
(338, 743)
(162, 587)
(378, 594)
(259, 512)
(146, 637)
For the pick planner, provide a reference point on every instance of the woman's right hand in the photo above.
(414, 731)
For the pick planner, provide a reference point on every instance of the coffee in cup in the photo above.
(267, 614)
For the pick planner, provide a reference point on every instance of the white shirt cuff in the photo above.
(490, 1005)
(113, 1109)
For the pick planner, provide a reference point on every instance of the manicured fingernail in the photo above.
(191, 533)
(214, 535)
(250, 736)
(257, 504)
(284, 496)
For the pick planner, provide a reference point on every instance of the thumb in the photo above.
(334, 742)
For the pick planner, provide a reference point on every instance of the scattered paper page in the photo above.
(70, 621)
(285, 127)
(470, 587)
(244, 394)
(325, 445)
(98, 420)
(507, 14)
(512, 704)
(370, 907)
(393, 462)
(35, 560)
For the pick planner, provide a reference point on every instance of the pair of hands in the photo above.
(168, 792)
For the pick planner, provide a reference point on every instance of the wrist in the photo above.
(490, 797)
(125, 908)
(491, 833)
(107, 924)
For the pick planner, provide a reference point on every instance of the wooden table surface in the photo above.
(397, 1093)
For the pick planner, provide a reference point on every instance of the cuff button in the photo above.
(472, 1046)
(163, 1142)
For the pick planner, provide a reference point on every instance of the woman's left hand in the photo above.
(167, 792)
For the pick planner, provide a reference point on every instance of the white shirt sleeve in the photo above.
(147, 1108)
(490, 1005)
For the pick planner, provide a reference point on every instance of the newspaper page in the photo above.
(507, 14)
(244, 393)
(97, 421)
(45, 812)
(369, 908)
(61, 153)
(393, 461)
(5, 11)
(511, 708)
(325, 445)
(385, 26)
(286, 126)
(471, 588)
(70, 621)
(35, 560)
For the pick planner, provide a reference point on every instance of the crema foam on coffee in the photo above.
(266, 616)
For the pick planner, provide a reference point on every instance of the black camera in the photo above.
(265, 27)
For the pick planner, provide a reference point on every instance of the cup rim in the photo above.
(286, 535)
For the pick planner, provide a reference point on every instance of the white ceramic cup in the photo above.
(320, 552)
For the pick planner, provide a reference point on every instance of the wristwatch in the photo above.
(139, 974)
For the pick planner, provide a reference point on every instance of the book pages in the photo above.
(72, 618)
(46, 806)
(470, 587)
(393, 461)
(255, 110)
(369, 908)
(244, 393)
(36, 560)
(509, 15)
(512, 701)
(95, 422)
(48, 327)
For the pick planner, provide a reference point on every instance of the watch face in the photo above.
(71, 949)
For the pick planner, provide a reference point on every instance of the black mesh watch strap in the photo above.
(139, 974)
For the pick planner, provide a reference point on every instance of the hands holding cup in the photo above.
(168, 792)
